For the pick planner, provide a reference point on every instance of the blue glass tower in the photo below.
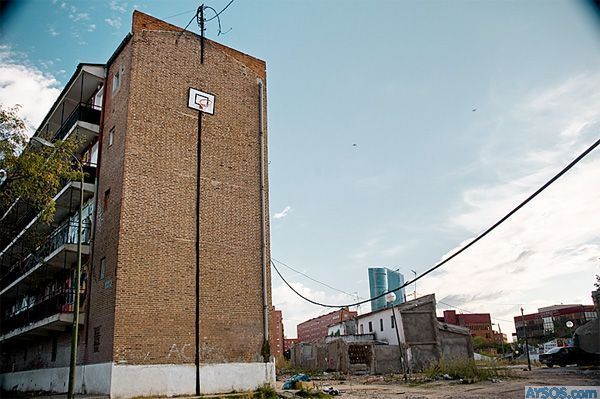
(382, 279)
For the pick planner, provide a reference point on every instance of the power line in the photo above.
(315, 280)
(201, 20)
(460, 251)
(178, 14)
(220, 12)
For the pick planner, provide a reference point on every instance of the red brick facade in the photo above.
(316, 328)
(480, 324)
(277, 336)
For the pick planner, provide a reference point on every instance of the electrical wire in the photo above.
(178, 14)
(220, 12)
(460, 251)
(315, 280)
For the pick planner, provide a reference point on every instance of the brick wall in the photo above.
(155, 287)
(108, 213)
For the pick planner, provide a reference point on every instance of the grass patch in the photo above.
(467, 369)
(265, 392)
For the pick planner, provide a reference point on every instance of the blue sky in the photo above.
(397, 130)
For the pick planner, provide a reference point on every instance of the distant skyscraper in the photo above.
(382, 279)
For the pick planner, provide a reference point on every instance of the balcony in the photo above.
(58, 251)
(83, 124)
(67, 202)
(53, 312)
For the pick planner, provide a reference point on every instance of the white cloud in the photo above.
(52, 31)
(79, 16)
(113, 22)
(283, 213)
(548, 252)
(118, 7)
(27, 86)
(91, 28)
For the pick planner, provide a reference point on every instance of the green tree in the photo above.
(32, 173)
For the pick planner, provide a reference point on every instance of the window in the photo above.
(381, 324)
(106, 199)
(97, 339)
(54, 349)
(548, 325)
(102, 268)
(362, 329)
(116, 83)
(111, 136)
(370, 326)
(393, 322)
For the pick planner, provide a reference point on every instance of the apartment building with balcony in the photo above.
(167, 234)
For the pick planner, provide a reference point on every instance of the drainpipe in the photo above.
(266, 349)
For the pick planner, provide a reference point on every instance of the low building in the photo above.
(480, 324)
(316, 328)
(289, 342)
(374, 347)
(551, 322)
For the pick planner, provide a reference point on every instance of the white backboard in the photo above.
(201, 101)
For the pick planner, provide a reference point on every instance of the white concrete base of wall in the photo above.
(126, 381)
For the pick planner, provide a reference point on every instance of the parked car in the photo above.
(564, 355)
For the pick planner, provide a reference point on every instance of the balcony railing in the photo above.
(48, 305)
(66, 234)
(25, 213)
(84, 113)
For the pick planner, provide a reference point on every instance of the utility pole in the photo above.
(390, 298)
(526, 343)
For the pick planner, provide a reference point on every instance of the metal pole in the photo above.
(526, 343)
(197, 315)
(402, 363)
(75, 332)
(501, 341)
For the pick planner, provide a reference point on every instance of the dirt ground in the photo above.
(379, 387)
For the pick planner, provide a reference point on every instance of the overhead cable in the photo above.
(463, 249)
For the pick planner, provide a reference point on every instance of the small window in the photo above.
(393, 322)
(370, 326)
(111, 136)
(106, 199)
(54, 349)
(97, 339)
(102, 268)
(381, 324)
(116, 83)
(362, 329)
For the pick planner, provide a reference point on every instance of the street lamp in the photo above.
(390, 298)
(526, 343)
(75, 332)
(415, 273)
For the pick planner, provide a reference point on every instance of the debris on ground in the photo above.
(331, 391)
(291, 383)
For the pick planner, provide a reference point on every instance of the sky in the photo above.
(398, 131)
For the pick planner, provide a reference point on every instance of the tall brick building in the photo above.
(277, 335)
(143, 279)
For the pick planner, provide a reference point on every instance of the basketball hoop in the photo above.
(201, 101)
